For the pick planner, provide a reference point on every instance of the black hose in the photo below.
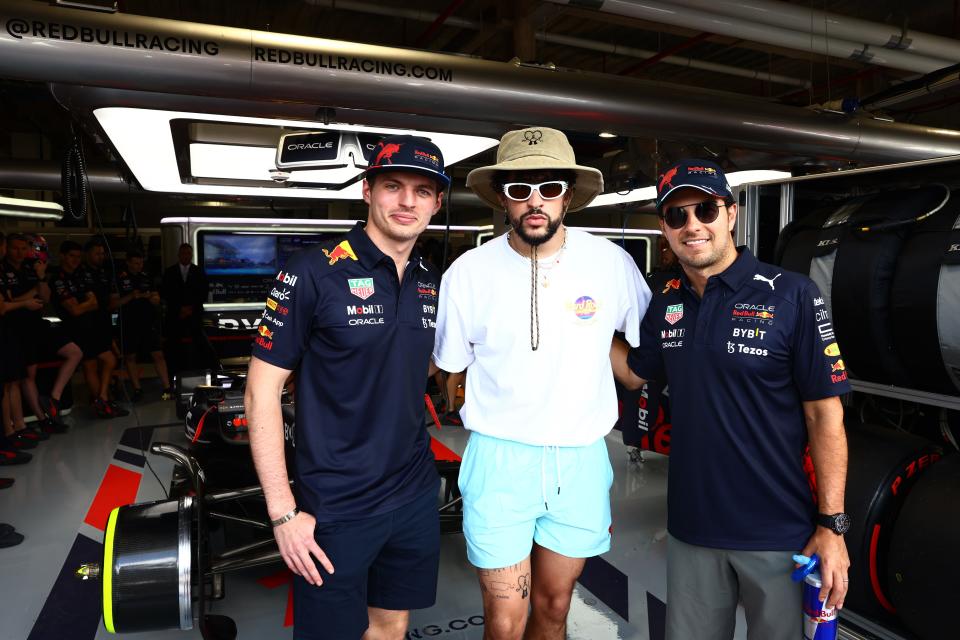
(73, 181)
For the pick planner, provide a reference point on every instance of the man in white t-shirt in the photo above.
(532, 314)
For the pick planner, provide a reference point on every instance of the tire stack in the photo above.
(891, 285)
(923, 564)
(884, 465)
(855, 268)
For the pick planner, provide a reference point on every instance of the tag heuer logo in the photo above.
(361, 287)
(674, 313)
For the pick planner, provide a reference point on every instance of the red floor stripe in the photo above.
(118, 487)
(443, 453)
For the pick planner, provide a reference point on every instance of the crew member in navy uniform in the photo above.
(139, 304)
(78, 307)
(356, 319)
(184, 289)
(26, 280)
(755, 374)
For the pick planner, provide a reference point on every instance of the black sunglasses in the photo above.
(706, 212)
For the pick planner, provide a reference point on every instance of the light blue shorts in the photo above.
(516, 494)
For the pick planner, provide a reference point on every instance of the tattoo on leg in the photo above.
(491, 572)
(523, 585)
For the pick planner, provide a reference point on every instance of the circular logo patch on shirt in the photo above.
(585, 307)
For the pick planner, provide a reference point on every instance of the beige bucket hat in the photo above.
(531, 149)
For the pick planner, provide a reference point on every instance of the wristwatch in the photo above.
(839, 523)
(285, 518)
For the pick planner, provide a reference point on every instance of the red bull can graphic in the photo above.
(819, 622)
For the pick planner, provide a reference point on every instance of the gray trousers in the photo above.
(704, 586)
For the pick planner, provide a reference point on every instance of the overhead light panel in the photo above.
(30, 209)
(144, 139)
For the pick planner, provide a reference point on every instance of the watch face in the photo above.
(841, 523)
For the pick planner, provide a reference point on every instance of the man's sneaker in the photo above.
(9, 457)
(20, 442)
(168, 393)
(49, 426)
(51, 407)
(10, 539)
(6, 483)
(137, 394)
(102, 409)
(118, 411)
(36, 433)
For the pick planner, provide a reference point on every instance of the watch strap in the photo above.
(285, 518)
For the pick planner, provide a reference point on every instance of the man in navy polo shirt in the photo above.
(352, 319)
(755, 375)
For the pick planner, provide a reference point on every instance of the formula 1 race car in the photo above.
(164, 561)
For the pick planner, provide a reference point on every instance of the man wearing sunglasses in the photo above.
(532, 313)
(755, 374)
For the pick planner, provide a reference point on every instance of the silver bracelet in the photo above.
(284, 519)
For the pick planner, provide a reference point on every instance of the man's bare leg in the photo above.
(554, 577)
(386, 624)
(506, 599)
(161, 365)
(132, 370)
(72, 356)
(108, 363)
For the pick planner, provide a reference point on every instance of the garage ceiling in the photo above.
(33, 126)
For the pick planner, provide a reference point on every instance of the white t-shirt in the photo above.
(562, 394)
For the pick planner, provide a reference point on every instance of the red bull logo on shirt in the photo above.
(266, 333)
(671, 284)
(341, 252)
(837, 366)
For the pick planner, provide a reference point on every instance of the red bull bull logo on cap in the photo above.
(341, 252)
(385, 154)
(667, 178)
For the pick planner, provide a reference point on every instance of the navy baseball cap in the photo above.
(408, 153)
(699, 174)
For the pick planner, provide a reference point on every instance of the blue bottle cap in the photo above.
(803, 571)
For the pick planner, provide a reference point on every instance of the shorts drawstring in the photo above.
(543, 472)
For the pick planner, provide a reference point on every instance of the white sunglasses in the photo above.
(520, 191)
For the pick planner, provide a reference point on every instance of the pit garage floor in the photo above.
(62, 497)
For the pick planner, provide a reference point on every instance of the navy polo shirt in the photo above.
(740, 362)
(18, 282)
(360, 339)
(141, 310)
